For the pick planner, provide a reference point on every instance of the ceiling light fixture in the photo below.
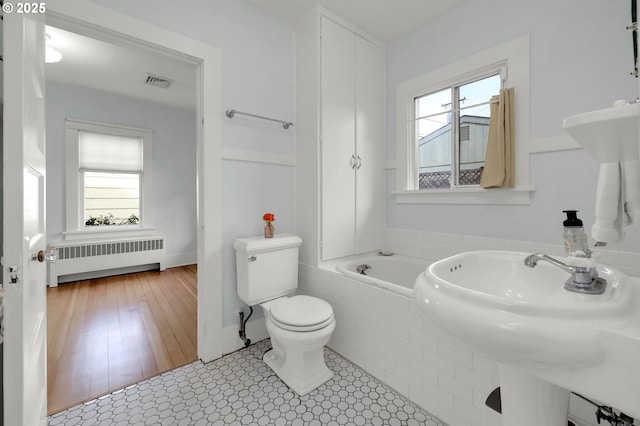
(51, 55)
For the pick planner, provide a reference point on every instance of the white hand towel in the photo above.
(607, 227)
(631, 190)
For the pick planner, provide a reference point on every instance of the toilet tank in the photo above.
(266, 268)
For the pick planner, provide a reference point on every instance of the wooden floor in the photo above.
(107, 333)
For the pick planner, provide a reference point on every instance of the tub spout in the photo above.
(362, 269)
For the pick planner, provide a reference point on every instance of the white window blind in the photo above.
(108, 152)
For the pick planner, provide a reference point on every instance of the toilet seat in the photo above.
(301, 313)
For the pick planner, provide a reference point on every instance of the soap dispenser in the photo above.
(575, 239)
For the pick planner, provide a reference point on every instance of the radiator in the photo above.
(101, 257)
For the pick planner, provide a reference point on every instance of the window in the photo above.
(109, 178)
(111, 198)
(442, 120)
(454, 123)
(111, 171)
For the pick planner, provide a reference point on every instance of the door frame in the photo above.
(106, 24)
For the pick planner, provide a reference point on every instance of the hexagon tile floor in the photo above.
(239, 389)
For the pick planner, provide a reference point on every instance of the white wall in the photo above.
(248, 191)
(581, 57)
(174, 134)
(257, 77)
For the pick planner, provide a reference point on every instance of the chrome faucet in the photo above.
(362, 269)
(584, 279)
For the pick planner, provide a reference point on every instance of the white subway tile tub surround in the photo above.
(386, 335)
(436, 245)
(239, 389)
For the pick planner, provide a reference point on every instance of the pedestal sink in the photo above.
(548, 341)
(610, 134)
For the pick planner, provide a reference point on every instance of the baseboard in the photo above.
(181, 259)
(255, 329)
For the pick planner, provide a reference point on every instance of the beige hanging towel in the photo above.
(499, 161)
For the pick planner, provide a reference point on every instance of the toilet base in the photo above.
(298, 358)
(315, 371)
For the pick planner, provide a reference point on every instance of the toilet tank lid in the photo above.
(260, 244)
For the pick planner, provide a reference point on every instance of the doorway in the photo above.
(94, 20)
(118, 78)
(97, 343)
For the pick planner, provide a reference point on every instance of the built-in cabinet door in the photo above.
(337, 140)
(369, 146)
(352, 114)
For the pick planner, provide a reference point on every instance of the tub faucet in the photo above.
(362, 269)
(584, 279)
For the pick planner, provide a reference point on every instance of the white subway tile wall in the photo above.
(388, 337)
(435, 246)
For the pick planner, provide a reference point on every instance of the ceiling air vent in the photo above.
(156, 80)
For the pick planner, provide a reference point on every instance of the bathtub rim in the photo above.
(336, 266)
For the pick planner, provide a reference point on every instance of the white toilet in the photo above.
(299, 326)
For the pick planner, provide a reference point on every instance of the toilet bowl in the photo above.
(299, 327)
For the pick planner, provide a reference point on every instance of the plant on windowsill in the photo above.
(109, 219)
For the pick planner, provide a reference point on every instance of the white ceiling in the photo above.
(386, 20)
(106, 66)
(95, 64)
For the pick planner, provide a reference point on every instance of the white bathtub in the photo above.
(394, 273)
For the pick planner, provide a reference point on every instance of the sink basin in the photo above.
(524, 318)
(500, 280)
(610, 134)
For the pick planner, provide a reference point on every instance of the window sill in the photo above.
(107, 232)
(474, 195)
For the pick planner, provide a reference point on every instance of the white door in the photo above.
(25, 354)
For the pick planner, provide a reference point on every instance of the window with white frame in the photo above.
(109, 178)
(442, 123)
(451, 129)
